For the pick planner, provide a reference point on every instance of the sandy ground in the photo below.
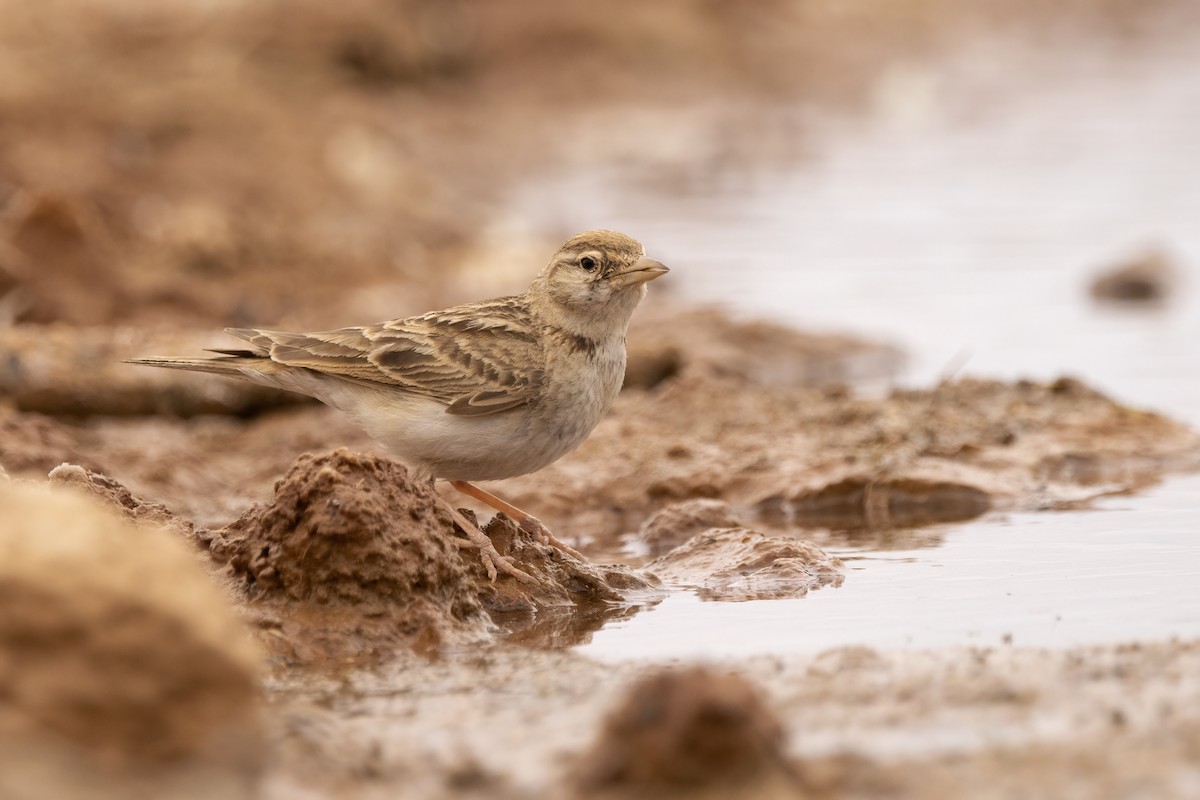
(232, 592)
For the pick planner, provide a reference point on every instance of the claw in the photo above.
(528, 523)
(534, 527)
(493, 561)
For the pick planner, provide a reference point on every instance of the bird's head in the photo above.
(597, 276)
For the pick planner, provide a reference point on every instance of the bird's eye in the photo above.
(588, 263)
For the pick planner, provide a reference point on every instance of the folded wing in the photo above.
(479, 359)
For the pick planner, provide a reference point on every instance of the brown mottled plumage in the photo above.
(481, 391)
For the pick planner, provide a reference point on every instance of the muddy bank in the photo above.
(827, 458)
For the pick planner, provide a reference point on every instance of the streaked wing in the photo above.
(478, 359)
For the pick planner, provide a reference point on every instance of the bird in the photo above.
(481, 391)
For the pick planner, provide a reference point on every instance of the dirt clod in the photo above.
(856, 502)
(685, 729)
(1147, 277)
(115, 648)
(741, 564)
(362, 547)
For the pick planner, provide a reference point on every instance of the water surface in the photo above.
(961, 218)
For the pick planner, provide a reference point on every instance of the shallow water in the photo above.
(962, 218)
(1128, 570)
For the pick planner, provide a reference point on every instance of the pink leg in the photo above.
(529, 523)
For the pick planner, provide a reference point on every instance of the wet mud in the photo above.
(740, 564)
(210, 589)
(705, 480)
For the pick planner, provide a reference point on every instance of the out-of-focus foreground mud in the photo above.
(230, 592)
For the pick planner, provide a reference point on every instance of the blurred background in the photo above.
(951, 176)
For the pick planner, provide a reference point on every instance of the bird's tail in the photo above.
(230, 362)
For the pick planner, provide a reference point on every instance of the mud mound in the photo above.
(675, 524)
(115, 648)
(741, 564)
(362, 547)
(685, 730)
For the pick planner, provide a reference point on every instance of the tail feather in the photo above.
(238, 353)
(229, 364)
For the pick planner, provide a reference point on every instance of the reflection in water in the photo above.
(569, 626)
(1128, 570)
(860, 503)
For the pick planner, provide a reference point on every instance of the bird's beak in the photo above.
(645, 269)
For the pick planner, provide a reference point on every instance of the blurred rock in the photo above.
(123, 670)
(1148, 277)
(741, 564)
(66, 234)
(687, 730)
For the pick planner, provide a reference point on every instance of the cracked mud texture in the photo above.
(119, 657)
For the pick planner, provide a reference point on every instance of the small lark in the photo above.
(483, 391)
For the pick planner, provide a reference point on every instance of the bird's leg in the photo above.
(528, 523)
(492, 560)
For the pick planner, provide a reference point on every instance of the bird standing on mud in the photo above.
(482, 391)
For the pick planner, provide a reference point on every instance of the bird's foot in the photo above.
(527, 522)
(535, 528)
(493, 561)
